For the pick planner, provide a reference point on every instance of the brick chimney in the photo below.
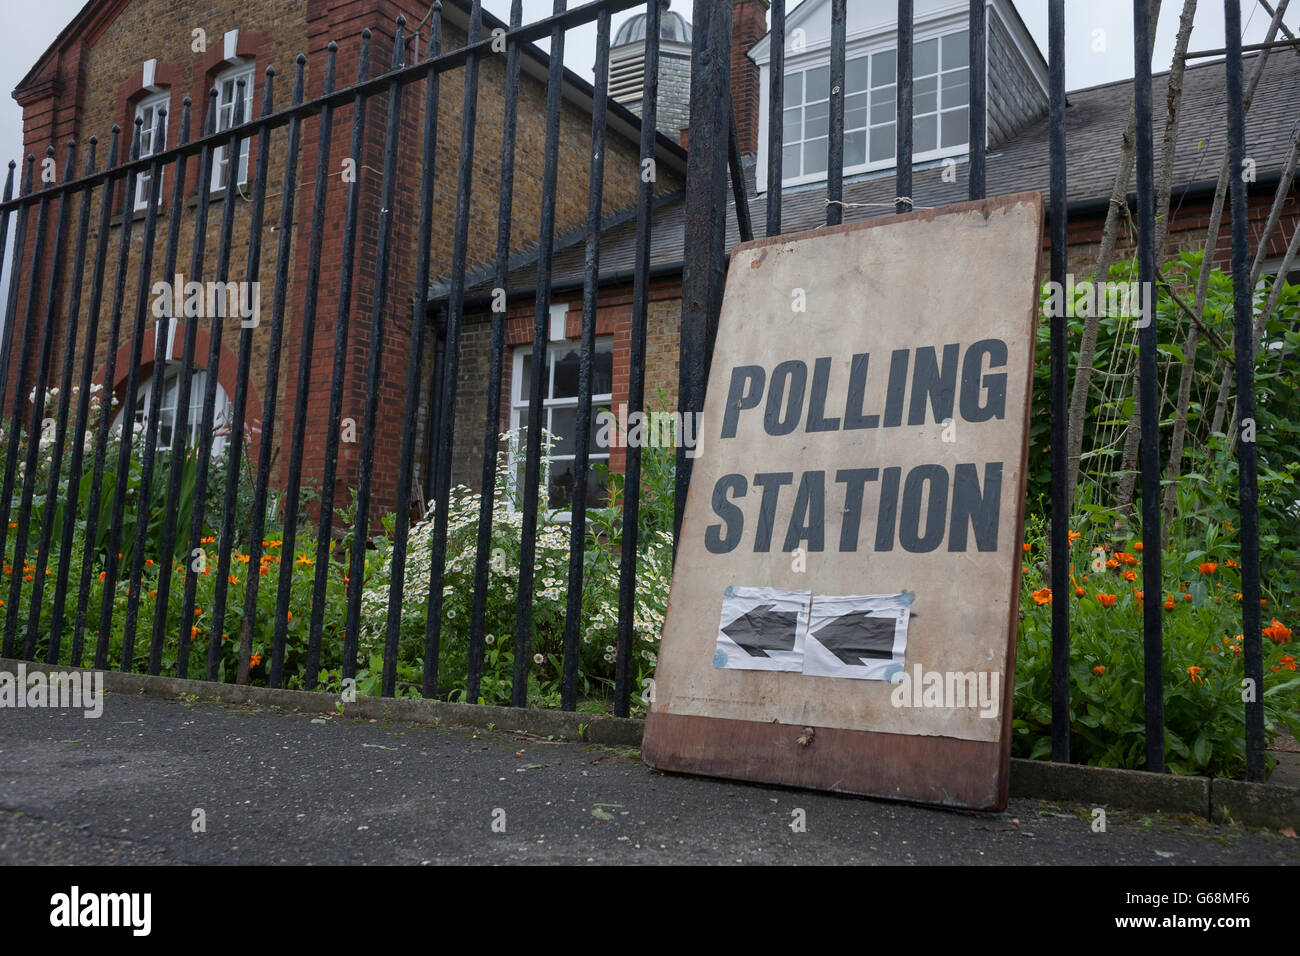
(748, 26)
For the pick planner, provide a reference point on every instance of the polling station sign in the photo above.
(845, 594)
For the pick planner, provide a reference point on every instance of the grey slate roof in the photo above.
(1095, 119)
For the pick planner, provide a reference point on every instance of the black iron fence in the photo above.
(81, 532)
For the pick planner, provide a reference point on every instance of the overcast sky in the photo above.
(33, 26)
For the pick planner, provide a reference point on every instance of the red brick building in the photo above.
(122, 59)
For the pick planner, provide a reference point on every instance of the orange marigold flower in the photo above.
(1112, 563)
(1278, 632)
(102, 575)
(1187, 597)
(198, 611)
(255, 660)
(1099, 669)
(232, 579)
(1025, 546)
(263, 570)
(1288, 662)
(1137, 546)
(1140, 595)
(1229, 563)
(1169, 603)
(303, 559)
(148, 562)
(1074, 536)
(1209, 567)
(1107, 600)
(194, 632)
(1129, 575)
(1079, 592)
(1194, 673)
(1042, 596)
(1124, 558)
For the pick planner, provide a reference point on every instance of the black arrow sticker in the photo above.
(856, 635)
(762, 629)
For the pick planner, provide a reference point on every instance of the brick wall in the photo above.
(93, 83)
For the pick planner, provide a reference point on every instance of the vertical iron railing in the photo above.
(1244, 353)
(1148, 388)
(402, 503)
(1060, 374)
(496, 357)
(978, 59)
(537, 360)
(903, 131)
(636, 371)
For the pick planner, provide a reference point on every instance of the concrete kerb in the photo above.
(1252, 804)
(592, 728)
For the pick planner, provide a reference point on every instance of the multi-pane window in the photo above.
(560, 416)
(227, 95)
(940, 93)
(151, 141)
(940, 100)
(167, 412)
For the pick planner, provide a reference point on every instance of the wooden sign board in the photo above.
(844, 602)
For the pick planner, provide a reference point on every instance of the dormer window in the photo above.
(941, 94)
(940, 100)
(1015, 88)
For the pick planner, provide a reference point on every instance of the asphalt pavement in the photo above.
(157, 781)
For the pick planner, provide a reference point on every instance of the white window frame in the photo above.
(866, 45)
(519, 405)
(226, 84)
(170, 395)
(147, 111)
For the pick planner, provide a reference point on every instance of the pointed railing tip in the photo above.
(301, 59)
(187, 102)
(332, 46)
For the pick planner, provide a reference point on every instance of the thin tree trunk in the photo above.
(1221, 405)
(1091, 323)
(1164, 186)
(1173, 100)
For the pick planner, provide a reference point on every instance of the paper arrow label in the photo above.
(858, 634)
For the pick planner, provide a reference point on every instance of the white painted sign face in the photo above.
(856, 506)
